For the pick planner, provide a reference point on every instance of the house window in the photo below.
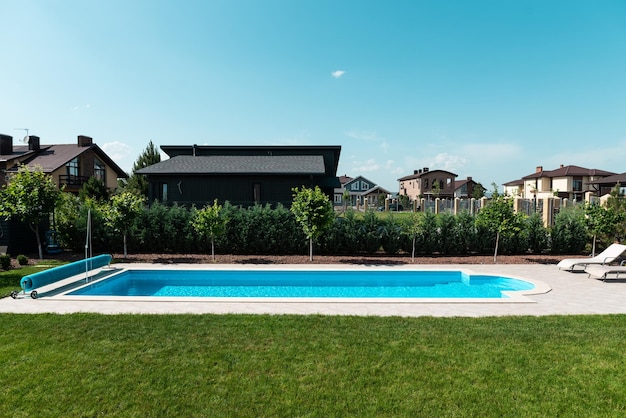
(577, 184)
(164, 192)
(364, 186)
(425, 184)
(354, 186)
(99, 170)
(73, 168)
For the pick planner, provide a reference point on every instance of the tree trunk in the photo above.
(35, 230)
(125, 253)
(212, 249)
(495, 253)
(593, 248)
(413, 252)
(310, 249)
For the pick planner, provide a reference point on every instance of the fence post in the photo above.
(472, 208)
(483, 202)
(365, 205)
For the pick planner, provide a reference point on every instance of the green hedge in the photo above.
(266, 230)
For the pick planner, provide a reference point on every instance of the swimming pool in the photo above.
(303, 284)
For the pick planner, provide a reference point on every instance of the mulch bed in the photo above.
(364, 259)
(342, 259)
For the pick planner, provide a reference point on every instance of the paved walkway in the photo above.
(572, 293)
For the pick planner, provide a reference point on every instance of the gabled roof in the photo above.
(19, 151)
(425, 173)
(53, 157)
(344, 179)
(568, 171)
(376, 189)
(519, 182)
(617, 178)
(359, 178)
(238, 164)
(459, 183)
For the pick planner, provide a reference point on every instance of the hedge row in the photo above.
(265, 230)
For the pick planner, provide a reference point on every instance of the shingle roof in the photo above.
(617, 178)
(569, 170)
(424, 174)
(51, 157)
(234, 164)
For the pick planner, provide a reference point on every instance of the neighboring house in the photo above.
(566, 182)
(241, 175)
(605, 185)
(465, 188)
(69, 165)
(425, 183)
(338, 192)
(359, 189)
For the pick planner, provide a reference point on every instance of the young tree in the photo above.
(313, 211)
(500, 218)
(29, 196)
(345, 197)
(414, 227)
(209, 222)
(478, 191)
(121, 213)
(136, 182)
(94, 189)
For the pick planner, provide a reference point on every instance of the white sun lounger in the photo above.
(605, 257)
(602, 272)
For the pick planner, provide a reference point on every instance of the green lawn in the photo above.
(245, 365)
(10, 280)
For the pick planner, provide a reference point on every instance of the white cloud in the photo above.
(448, 162)
(338, 73)
(363, 135)
(372, 165)
(121, 153)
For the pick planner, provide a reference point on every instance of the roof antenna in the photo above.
(25, 139)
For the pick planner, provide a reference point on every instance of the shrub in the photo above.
(22, 260)
(5, 261)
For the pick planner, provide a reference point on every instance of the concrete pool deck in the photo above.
(571, 294)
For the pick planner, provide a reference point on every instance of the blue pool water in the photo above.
(303, 284)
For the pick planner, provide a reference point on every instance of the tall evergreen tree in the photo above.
(137, 183)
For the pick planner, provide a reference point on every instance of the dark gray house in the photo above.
(242, 175)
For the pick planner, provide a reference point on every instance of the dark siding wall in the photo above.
(238, 190)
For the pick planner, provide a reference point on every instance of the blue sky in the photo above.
(488, 89)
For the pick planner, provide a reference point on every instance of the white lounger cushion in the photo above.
(605, 257)
(601, 272)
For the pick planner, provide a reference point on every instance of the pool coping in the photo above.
(519, 296)
(571, 294)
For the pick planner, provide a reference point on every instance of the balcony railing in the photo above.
(70, 180)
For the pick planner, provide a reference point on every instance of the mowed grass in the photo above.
(10, 279)
(246, 365)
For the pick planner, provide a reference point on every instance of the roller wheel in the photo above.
(33, 294)
(14, 294)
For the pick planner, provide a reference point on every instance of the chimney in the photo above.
(415, 171)
(469, 178)
(84, 141)
(562, 166)
(6, 144)
(539, 169)
(33, 143)
(425, 169)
